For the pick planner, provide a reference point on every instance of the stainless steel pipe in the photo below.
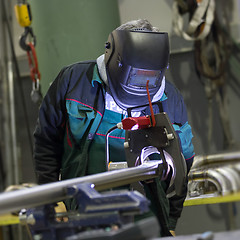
(222, 170)
(228, 157)
(54, 192)
(232, 176)
(221, 183)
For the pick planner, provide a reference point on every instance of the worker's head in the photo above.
(135, 52)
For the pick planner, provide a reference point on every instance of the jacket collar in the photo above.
(96, 76)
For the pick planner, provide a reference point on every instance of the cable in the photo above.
(150, 105)
(106, 144)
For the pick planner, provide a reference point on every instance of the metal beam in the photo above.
(54, 192)
(223, 158)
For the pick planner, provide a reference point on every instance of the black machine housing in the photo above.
(163, 137)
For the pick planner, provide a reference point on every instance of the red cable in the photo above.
(33, 62)
(150, 105)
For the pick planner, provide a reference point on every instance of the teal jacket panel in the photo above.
(66, 139)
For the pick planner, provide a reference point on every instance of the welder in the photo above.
(88, 98)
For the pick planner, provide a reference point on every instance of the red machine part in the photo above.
(136, 122)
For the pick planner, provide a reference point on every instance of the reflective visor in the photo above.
(138, 78)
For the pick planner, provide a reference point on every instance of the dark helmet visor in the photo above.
(138, 78)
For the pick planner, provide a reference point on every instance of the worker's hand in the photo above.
(173, 233)
(61, 208)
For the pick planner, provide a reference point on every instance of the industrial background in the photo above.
(71, 31)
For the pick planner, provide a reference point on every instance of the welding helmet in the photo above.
(131, 58)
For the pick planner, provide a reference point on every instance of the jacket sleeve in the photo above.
(49, 131)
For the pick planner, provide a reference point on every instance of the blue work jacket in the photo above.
(72, 112)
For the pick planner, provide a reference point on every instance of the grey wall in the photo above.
(70, 32)
(214, 217)
(182, 72)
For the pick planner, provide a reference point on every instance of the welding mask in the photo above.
(132, 58)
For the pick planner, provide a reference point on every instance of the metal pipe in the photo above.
(232, 176)
(5, 102)
(222, 184)
(236, 167)
(203, 160)
(54, 192)
(15, 165)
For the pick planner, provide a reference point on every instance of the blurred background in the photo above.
(69, 31)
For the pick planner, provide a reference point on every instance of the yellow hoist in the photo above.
(27, 42)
